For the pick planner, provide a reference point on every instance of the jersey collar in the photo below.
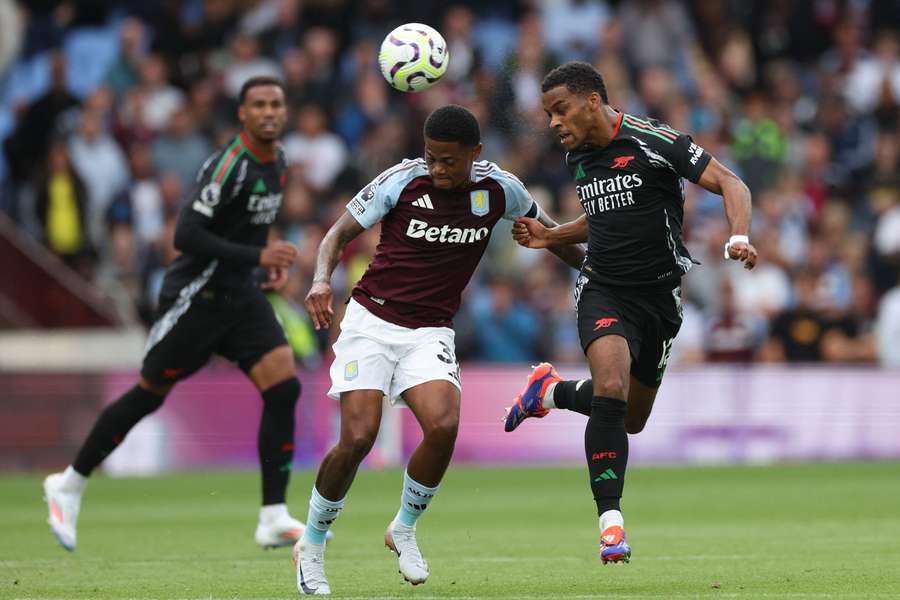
(257, 153)
(618, 125)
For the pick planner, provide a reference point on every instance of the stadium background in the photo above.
(108, 108)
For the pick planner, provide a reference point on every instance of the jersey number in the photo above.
(446, 355)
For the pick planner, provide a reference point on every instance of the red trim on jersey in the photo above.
(256, 153)
(618, 125)
(637, 124)
(223, 169)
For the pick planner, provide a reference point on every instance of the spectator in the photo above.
(873, 81)
(320, 152)
(797, 97)
(26, 148)
(125, 71)
(160, 98)
(246, 62)
(731, 336)
(572, 26)
(61, 207)
(850, 337)
(181, 149)
(796, 333)
(11, 33)
(887, 329)
(145, 198)
(760, 147)
(458, 33)
(368, 107)
(659, 34)
(99, 161)
(507, 329)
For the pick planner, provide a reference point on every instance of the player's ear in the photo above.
(595, 101)
(242, 114)
(476, 152)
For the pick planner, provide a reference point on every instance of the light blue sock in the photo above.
(322, 513)
(414, 500)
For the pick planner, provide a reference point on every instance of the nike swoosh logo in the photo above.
(306, 589)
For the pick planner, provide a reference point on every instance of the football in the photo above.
(413, 57)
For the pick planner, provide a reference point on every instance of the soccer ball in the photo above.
(413, 57)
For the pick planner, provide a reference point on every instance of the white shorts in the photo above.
(373, 354)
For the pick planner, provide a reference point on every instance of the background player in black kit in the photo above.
(211, 304)
(628, 171)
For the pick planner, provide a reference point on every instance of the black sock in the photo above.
(276, 439)
(606, 448)
(571, 396)
(112, 425)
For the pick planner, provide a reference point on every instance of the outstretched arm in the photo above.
(532, 233)
(570, 253)
(718, 179)
(318, 300)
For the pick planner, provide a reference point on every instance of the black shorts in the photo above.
(648, 319)
(188, 333)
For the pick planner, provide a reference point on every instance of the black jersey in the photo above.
(633, 195)
(224, 224)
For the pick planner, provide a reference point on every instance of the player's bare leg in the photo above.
(360, 420)
(640, 405)
(606, 440)
(436, 407)
(274, 376)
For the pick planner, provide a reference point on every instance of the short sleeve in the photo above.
(519, 202)
(667, 148)
(689, 158)
(377, 199)
(684, 156)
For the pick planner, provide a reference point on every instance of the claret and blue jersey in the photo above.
(431, 239)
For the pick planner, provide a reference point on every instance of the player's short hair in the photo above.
(256, 82)
(579, 78)
(453, 123)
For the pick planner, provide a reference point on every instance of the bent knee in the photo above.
(286, 392)
(612, 387)
(358, 444)
(635, 425)
(443, 432)
(160, 389)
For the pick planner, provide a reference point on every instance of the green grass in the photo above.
(798, 531)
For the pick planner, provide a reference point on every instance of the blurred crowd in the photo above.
(108, 109)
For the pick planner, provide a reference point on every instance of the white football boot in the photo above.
(402, 540)
(277, 528)
(64, 504)
(309, 559)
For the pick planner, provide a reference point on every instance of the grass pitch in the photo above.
(798, 531)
